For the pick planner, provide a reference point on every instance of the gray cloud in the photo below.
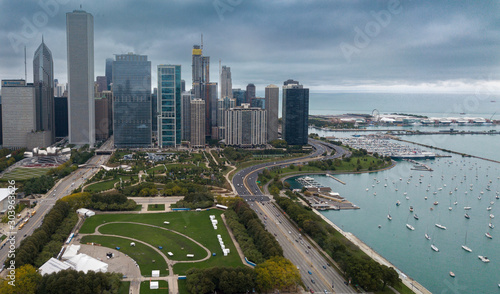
(425, 43)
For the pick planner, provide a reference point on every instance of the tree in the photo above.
(277, 273)
(389, 276)
(26, 281)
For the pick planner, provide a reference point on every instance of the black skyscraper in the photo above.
(295, 113)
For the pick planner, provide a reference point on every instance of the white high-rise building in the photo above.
(245, 126)
(81, 107)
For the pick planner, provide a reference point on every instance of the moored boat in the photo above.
(483, 258)
(433, 247)
(441, 227)
(410, 227)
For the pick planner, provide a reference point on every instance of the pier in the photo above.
(419, 166)
(329, 175)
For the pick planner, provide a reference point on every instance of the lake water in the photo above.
(454, 179)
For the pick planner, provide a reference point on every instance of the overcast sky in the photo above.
(342, 45)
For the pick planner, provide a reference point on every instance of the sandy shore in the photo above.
(409, 282)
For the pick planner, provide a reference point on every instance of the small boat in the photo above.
(467, 208)
(436, 203)
(398, 203)
(488, 208)
(455, 203)
(483, 258)
(410, 227)
(497, 197)
(467, 216)
(379, 226)
(407, 198)
(415, 216)
(389, 217)
(492, 216)
(433, 247)
(411, 208)
(425, 197)
(491, 225)
(450, 208)
(427, 236)
(466, 248)
(452, 274)
(488, 235)
(441, 227)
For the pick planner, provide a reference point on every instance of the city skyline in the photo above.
(335, 46)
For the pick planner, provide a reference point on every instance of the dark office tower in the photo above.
(186, 116)
(81, 106)
(258, 102)
(154, 111)
(183, 86)
(226, 85)
(169, 106)
(109, 72)
(210, 94)
(240, 96)
(250, 93)
(132, 101)
(295, 110)
(101, 84)
(61, 116)
(43, 81)
(272, 105)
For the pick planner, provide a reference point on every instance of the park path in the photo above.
(171, 278)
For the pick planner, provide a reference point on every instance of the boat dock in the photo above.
(329, 175)
(419, 166)
(311, 185)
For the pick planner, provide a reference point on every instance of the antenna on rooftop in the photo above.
(25, 67)
(201, 47)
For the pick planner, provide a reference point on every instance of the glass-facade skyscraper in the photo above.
(43, 81)
(295, 113)
(169, 106)
(132, 101)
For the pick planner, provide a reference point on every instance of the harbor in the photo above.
(320, 197)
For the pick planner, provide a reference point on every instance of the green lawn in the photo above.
(124, 288)
(138, 207)
(25, 173)
(160, 169)
(193, 224)
(163, 288)
(102, 186)
(156, 207)
(141, 253)
(169, 241)
(2, 237)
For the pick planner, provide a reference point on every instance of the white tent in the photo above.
(85, 212)
(53, 266)
(154, 285)
(71, 251)
(85, 263)
(155, 273)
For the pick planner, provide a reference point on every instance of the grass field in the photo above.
(138, 207)
(169, 241)
(193, 224)
(102, 186)
(160, 169)
(25, 173)
(163, 288)
(124, 288)
(156, 207)
(141, 253)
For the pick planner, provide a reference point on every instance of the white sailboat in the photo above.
(464, 247)
(433, 247)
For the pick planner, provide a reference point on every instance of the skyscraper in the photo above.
(197, 123)
(226, 85)
(240, 96)
(295, 110)
(43, 81)
(250, 93)
(101, 83)
(132, 101)
(245, 126)
(272, 105)
(109, 72)
(169, 105)
(80, 43)
(223, 104)
(186, 116)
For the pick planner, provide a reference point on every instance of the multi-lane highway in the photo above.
(316, 272)
(62, 188)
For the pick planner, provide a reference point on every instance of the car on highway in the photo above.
(312, 281)
(324, 267)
